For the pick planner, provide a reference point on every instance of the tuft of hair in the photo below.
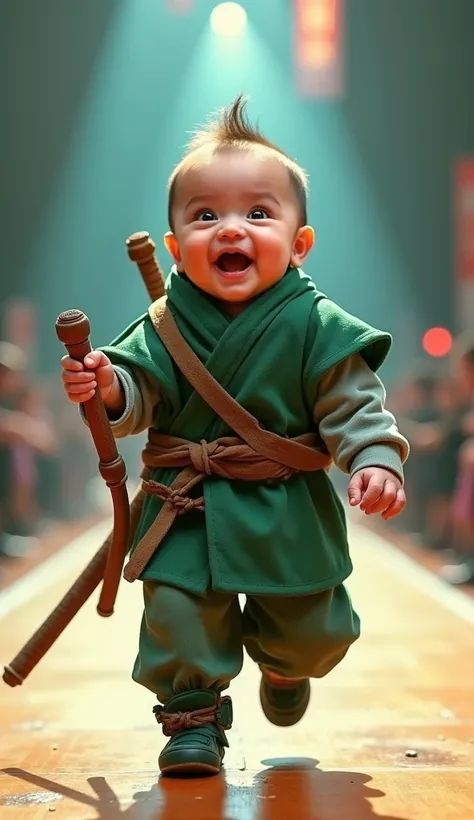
(231, 129)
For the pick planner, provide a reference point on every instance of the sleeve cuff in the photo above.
(386, 456)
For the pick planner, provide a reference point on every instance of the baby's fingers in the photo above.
(81, 387)
(71, 364)
(83, 377)
(80, 398)
(396, 506)
(96, 359)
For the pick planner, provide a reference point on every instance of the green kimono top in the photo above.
(260, 538)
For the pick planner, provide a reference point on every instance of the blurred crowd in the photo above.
(48, 464)
(46, 457)
(434, 406)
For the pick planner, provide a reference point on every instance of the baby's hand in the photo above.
(377, 491)
(80, 383)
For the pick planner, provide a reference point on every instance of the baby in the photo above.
(299, 364)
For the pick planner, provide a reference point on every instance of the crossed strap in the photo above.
(255, 454)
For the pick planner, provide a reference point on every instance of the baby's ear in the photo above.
(171, 245)
(304, 241)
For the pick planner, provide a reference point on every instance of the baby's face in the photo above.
(237, 226)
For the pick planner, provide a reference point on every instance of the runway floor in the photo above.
(79, 739)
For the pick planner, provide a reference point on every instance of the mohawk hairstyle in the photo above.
(232, 130)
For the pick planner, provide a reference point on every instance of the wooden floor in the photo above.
(78, 738)
(53, 538)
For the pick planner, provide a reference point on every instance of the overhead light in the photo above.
(228, 19)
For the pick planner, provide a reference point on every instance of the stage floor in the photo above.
(79, 739)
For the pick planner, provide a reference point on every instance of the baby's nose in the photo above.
(232, 229)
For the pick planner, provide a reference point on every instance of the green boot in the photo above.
(195, 722)
(284, 704)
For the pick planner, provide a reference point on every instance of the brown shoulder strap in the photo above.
(291, 453)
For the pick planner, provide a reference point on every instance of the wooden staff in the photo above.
(73, 329)
(141, 249)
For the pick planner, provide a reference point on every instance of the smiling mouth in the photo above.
(233, 262)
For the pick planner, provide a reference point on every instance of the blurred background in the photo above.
(373, 97)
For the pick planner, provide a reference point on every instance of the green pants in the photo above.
(193, 642)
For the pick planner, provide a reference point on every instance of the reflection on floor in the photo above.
(78, 737)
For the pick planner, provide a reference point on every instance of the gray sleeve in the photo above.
(353, 422)
(142, 394)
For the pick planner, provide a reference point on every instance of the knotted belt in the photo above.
(229, 458)
(257, 455)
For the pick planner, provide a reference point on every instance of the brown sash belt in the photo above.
(257, 455)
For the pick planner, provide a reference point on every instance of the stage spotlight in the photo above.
(228, 19)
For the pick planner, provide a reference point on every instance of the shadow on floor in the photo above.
(287, 787)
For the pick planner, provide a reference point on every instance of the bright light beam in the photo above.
(228, 20)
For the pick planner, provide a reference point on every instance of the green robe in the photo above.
(256, 538)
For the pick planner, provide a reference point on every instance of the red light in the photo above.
(319, 46)
(437, 341)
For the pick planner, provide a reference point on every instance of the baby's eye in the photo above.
(205, 216)
(258, 213)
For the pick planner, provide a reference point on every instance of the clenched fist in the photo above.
(377, 490)
(82, 380)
